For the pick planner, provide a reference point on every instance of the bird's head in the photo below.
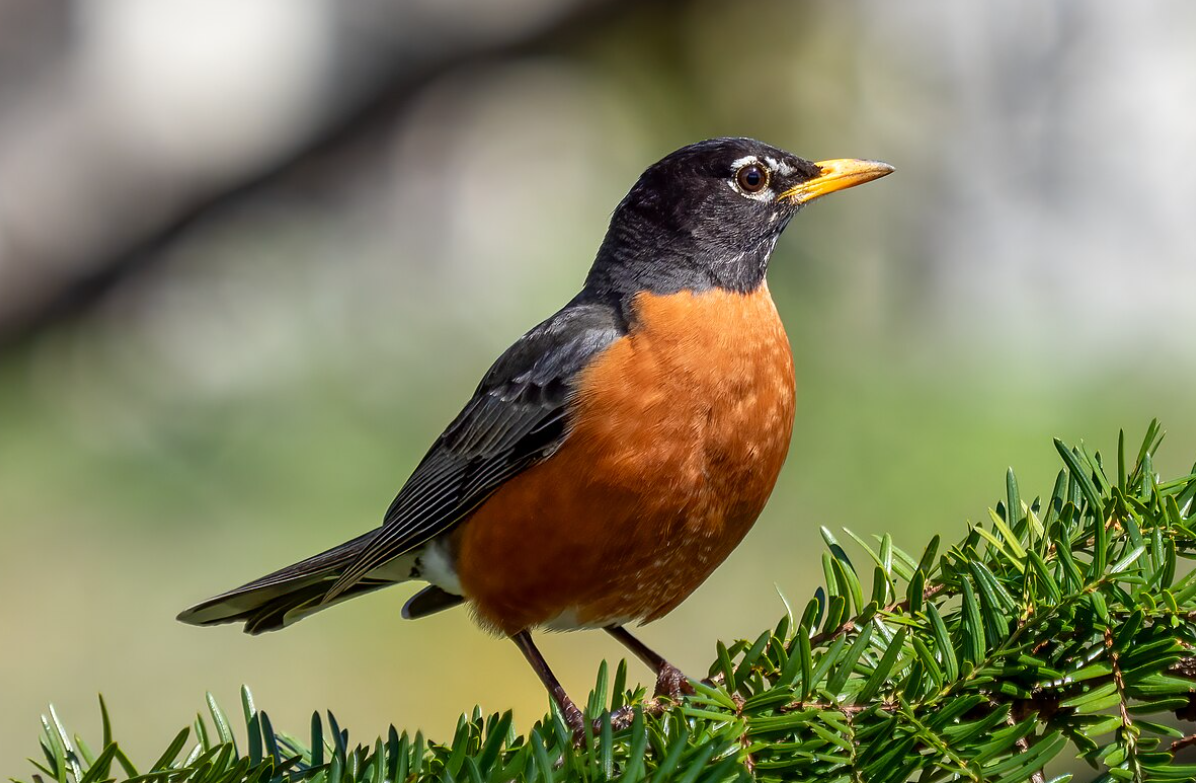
(709, 214)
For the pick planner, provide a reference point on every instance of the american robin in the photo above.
(613, 456)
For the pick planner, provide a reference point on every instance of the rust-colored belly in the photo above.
(680, 430)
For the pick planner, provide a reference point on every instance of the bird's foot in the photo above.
(672, 682)
(619, 719)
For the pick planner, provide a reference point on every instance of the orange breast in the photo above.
(680, 430)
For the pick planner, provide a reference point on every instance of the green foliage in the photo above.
(1064, 622)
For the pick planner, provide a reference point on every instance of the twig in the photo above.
(359, 121)
(1023, 744)
(849, 625)
(1185, 742)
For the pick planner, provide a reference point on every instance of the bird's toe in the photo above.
(673, 683)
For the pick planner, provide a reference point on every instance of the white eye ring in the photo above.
(753, 178)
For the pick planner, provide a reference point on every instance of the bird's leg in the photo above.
(619, 719)
(573, 716)
(670, 681)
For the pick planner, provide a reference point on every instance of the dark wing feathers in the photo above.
(278, 589)
(281, 611)
(517, 416)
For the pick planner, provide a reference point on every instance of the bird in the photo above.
(616, 453)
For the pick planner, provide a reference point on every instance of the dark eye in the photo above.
(752, 178)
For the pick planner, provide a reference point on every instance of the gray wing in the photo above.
(517, 417)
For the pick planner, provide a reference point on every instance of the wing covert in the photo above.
(517, 416)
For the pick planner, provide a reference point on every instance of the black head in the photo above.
(709, 214)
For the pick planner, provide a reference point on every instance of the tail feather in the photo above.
(428, 601)
(292, 593)
(290, 608)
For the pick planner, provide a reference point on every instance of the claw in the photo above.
(619, 719)
(673, 683)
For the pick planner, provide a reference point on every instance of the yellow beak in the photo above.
(836, 175)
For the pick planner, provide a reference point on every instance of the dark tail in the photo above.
(292, 593)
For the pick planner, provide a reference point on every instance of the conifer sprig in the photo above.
(1057, 627)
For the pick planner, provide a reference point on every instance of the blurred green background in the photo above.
(253, 257)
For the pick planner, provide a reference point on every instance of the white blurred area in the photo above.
(255, 387)
(200, 87)
(154, 105)
(149, 103)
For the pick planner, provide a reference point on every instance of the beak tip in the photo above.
(882, 169)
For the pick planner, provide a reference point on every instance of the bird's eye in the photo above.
(752, 178)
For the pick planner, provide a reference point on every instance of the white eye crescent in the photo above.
(752, 178)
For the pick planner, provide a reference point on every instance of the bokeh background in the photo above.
(253, 256)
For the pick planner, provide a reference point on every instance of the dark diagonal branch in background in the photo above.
(391, 84)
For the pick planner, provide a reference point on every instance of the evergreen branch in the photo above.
(1060, 622)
